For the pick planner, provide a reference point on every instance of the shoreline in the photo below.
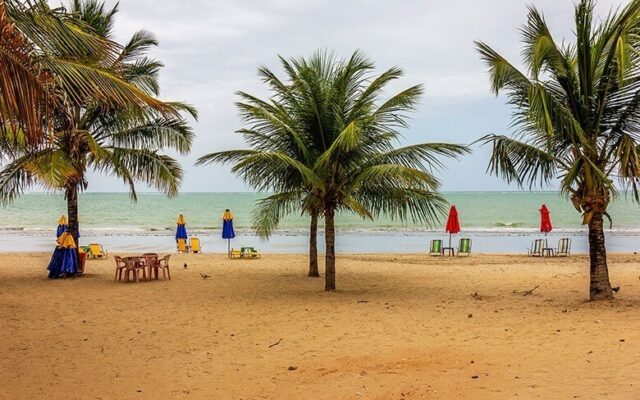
(304, 230)
(346, 242)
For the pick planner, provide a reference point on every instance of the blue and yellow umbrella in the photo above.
(227, 228)
(181, 231)
(62, 226)
(64, 261)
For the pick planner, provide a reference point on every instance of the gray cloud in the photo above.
(212, 49)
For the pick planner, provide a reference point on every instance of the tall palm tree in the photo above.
(49, 60)
(577, 114)
(122, 141)
(324, 143)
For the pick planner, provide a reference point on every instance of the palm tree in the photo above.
(577, 113)
(122, 141)
(47, 62)
(324, 143)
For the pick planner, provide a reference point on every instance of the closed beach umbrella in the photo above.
(545, 220)
(181, 231)
(64, 261)
(62, 226)
(453, 224)
(227, 228)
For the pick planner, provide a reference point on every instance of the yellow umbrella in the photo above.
(62, 226)
(181, 231)
(64, 261)
(66, 241)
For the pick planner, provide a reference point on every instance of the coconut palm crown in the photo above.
(576, 116)
(51, 60)
(125, 141)
(324, 143)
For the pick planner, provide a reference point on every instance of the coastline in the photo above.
(296, 242)
(497, 222)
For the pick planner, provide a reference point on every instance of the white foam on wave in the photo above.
(304, 231)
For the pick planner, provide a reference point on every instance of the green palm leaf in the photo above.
(324, 142)
(576, 116)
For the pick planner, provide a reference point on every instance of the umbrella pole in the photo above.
(449, 240)
(228, 246)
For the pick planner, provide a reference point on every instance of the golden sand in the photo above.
(400, 327)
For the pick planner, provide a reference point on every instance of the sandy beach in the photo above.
(399, 327)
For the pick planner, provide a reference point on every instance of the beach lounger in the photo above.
(435, 249)
(464, 248)
(253, 253)
(96, 251)
(235, 253)
(564, 248)
(182, 246)
(194, 244)
(536, 248)
(250, 252)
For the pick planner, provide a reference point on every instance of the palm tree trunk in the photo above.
(313, 246)
(599, 286)
(71, 194)
(330, 256)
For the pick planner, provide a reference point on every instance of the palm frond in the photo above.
(270, 210)
(50, 168)
(519, 162)
(157, 170)
(425, 156)
(324, 141)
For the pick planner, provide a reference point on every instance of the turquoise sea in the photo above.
(479, 211)
(492, 217)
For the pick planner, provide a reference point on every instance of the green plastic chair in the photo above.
(436, 247)
(87, 250)
(250, 252)
(536, 248)
(564, 248)
(464, 248)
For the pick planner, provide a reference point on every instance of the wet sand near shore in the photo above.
(399, 327)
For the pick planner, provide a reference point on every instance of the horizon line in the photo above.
(250, 192)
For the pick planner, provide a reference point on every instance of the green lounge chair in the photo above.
(249, 252)
(564, 248)
(436, 247)
(87, 250)
(536, 248)
(464, 248)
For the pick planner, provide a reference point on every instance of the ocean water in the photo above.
(497, 221)
(109, 212)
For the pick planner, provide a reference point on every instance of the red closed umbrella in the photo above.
(545, 220)
(453, 224)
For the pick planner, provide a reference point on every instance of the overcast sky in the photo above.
(212, 48)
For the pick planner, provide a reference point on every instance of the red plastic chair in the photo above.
(133, 266)
(120, 266)
(163, 264)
